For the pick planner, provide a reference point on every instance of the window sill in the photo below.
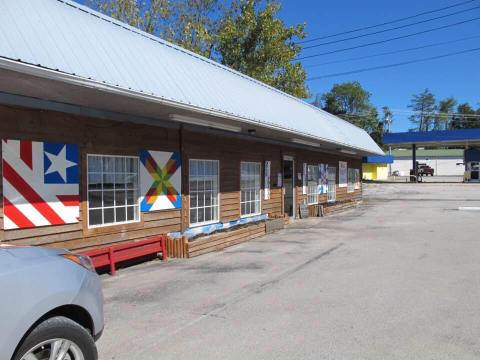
(196, 225)
(112, 228)
(250, 215)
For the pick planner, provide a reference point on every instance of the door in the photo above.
(288, 186)
(332, 184)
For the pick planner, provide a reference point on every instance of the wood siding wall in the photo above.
(98, 136)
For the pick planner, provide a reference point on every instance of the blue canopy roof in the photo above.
(430, 138)
(387, 159)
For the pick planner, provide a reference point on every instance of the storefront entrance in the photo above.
(288, 186)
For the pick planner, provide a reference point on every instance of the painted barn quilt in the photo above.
(40, 183)
(160, 180)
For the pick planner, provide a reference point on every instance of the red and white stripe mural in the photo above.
(40, 183)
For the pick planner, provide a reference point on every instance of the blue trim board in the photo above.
(208, 229)
(386, 159)
(419, 137)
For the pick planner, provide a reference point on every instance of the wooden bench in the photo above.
(109, 256)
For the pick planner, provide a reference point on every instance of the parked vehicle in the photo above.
(52, 304)
(424, 170)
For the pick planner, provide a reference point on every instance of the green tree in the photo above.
(246, 35)
(151, 16)
(193, 24)
(465, 117)
(351, 102)
(424, 106)
(253, 40)
(444, 117)
(387, 118)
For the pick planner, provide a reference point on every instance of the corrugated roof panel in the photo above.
(60, 34)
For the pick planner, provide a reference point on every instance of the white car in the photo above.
(52, 305)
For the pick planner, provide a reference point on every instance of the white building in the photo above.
(445, 162)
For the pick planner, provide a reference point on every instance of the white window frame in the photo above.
(350, 180)
(136, 203)
(312, 185)
(259, 199)
(217, 213)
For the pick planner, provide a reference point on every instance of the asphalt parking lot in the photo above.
(396, 278)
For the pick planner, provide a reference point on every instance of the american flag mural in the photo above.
(160, 180)
(40, 183)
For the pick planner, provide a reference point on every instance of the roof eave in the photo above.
(46, 73)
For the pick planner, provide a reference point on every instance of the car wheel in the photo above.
(57, 338)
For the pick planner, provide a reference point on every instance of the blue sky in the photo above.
(457, 76)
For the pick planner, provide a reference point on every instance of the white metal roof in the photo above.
(72, 39)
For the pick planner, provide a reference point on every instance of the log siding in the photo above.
(98, 136)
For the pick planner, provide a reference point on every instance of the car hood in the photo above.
(30, 252)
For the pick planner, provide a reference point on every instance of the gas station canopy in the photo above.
(464, 138)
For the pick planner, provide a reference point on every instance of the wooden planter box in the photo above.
(273, 225)
(221, 240)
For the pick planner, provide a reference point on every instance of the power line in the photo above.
(388, 40)
(390, 29)
(386, 23)
(406, 111)
(393, 65)
(392, 52)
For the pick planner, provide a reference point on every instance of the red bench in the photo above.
(116, 253)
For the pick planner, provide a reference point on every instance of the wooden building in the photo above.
(111, 135)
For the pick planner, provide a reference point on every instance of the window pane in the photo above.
(193, 168)
(131, 181)
(95, 217)
(193, 216)
(130, 213)
(193, 200)
(94, 199)
(108, 216)
(119, 180)
(131, 198)
(208, 214)
(120, 198)
(131, 165)
(94, 164)
(95, 181)
(120, 214)
(119, 165)
(208, 199)
(108, 164)
(193, 185)
(108, 198)
(108, 181)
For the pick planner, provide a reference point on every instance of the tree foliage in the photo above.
(445, 115)
(465, 117)
(246, 35)
(253, 40)
(424, 107)
(351, 102)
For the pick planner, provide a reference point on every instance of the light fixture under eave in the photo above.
(305, 142)
(206, 123)
(350, 152)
